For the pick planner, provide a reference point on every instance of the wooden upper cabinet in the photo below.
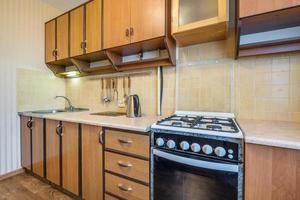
(50, 41)
(254, 7)
(116, 23)
(77, 31)
(147, 19)
(25, 143)
(62, 36)
(198, 21)
(38, 146)
(271, 173)
(93, 26)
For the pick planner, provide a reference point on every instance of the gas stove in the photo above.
(197, 148)
(205, 123)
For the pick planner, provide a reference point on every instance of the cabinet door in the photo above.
(52, 152)
(93, 26)
(62, 37)
(38, 146)
(254, 7)
(77, 31)
(147, 19)
(50, 29)
(25, 144)
(92, 158)
(271, 173)
(70, 157)
(116, 23)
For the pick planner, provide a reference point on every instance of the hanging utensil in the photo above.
(124, 91)
(102, 90)
(116, 88)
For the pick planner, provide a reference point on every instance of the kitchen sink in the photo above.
(48, 111)
(109, 113)
(54, 111)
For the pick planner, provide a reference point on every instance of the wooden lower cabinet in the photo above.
(32, 144)
(52, 152)
(62, 154)
(70, 157)
(92, 163)
(38, 146)
(25, 143)
(271, 173)
(127, 165)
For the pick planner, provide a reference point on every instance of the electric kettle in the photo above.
(133, 106)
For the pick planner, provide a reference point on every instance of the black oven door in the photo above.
(177, 177)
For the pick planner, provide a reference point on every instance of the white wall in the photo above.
(21, 46)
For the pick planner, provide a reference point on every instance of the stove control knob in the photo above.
(207, 149)
(184, 145)
(171, 144)
(220, 151)
(195, 147)
(160, 142)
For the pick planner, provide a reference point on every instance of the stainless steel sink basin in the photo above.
(77, 110)
(48, 111)
(109, 113)
(54, 111)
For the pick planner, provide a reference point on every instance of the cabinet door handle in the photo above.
(127, 32)
(59, 130)
(124, 141)
(29, 124)
(54, 53)
(83, 45)
(131, 31)
(101, 132)
(122, 164)
(123, 188)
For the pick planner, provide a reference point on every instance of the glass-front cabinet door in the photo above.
(199, 16)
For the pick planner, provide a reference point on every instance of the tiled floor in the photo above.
(26, 187)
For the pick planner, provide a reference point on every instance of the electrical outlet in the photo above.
(121, 104)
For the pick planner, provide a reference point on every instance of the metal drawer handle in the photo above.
(101, 136)
(125, 141)
(123, 188)
(122, 164)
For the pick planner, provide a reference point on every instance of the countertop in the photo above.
(271, 133)
(141, 124)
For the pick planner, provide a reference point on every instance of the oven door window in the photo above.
(177, 181)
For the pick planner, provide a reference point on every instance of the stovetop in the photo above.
(218, 124)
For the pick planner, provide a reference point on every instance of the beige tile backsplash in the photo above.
(36, 90)
(261, 87)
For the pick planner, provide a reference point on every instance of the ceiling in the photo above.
(65, 5)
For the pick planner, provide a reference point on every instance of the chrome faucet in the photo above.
(71, 107)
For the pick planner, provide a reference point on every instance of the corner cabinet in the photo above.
(32, 145)
(198, 21)
(271, 173)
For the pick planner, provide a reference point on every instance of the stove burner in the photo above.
(221, 124)
(214, 127)
(177, 124)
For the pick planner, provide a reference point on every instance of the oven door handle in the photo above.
(197, 163)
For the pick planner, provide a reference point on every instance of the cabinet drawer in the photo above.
(125, 189)
(127, 142)
(108, 197)
(127, 166)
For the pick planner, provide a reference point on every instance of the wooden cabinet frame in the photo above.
(211, 29)
(113, 57)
